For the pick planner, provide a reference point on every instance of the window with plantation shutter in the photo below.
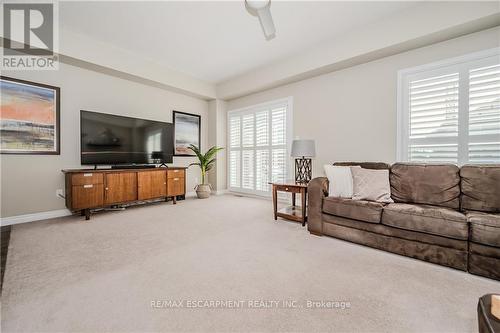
(450, 111)
(259, 139)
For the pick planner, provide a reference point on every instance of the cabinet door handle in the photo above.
(87, 175)
(286, 188)
(176, 179)
(106, 188)
(165, 183)
(88, 186)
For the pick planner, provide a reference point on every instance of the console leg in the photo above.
(87, 214)
(175, 200)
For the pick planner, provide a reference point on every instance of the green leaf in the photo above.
(210, 164)
(197, 151)
(207, 160)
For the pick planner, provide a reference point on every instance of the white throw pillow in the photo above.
(340, 181)
(371, 185)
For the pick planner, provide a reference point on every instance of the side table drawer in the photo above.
(290, 189)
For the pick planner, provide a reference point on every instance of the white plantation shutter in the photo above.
(434, 118)
(262, 151)
(262, 170)
(248, 130)
(451, 112)
(279, 159)
(235, 168)
(278, 132)
(484, 114)
(235, 132)
(258, 140)
(247, 171)
(262, 128)
(234, 151)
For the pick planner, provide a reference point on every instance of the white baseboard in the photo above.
(220, 192)
(193, 193)
(190, 194)
(34, 217)
(249, 195)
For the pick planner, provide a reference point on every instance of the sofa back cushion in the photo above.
(430, 184)
(481, 187)
(365, 165)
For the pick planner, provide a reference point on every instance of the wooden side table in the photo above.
(293, 212)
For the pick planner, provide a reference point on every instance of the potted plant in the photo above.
(206, 163)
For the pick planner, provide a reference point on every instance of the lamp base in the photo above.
(303, 170)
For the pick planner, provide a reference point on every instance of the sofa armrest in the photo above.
(316, 191)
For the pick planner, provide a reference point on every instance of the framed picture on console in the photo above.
(29, 117)
(187, 131)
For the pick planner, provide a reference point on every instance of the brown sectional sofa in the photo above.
(441, 213)
(481, 203)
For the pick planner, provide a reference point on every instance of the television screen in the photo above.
(112, 140)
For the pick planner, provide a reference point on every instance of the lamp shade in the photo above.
(303, 148)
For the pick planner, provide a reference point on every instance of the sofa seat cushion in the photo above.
(484, 250)
(379, 228)
(485, 228)
(428, 219)
(362, 210)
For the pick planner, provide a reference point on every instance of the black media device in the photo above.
(124, 141)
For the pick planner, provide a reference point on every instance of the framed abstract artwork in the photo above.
(187, 131)
(29, 117)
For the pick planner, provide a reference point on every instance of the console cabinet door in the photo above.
(87, 196)
(158, 184)
(175, 186)
(151, 184)
(120, 187)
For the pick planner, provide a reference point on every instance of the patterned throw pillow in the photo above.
(371, 185)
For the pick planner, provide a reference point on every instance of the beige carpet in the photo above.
(70, 275)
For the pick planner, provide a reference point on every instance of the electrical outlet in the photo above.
(60, 193)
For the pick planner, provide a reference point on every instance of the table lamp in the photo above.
(303, 150)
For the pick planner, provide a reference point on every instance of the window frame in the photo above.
(254, 109)
(461, 65)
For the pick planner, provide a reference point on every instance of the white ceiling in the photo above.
(214, 41)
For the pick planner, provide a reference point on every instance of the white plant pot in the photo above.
(203, 191)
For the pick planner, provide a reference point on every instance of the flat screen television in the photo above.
(117, 140)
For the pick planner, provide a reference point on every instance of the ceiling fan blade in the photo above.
(266, 21)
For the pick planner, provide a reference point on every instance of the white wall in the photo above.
(217, 137)
(29, 182)
(351, 113)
